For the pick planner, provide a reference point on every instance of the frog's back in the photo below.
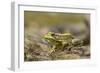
(65, 36)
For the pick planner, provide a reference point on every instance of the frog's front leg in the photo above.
(53, 48)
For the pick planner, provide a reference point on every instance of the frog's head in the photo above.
(49, 36)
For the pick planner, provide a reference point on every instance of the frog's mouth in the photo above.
(48, 37)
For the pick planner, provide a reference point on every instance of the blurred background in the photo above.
(42, 22)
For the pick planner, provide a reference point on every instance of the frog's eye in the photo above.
(52, 34)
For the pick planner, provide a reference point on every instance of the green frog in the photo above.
(58, 40)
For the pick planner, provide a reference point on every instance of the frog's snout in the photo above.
(48, 37)
(45, 36)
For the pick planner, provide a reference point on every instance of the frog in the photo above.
(58, 40)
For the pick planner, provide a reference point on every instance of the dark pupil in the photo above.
(52, 34)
